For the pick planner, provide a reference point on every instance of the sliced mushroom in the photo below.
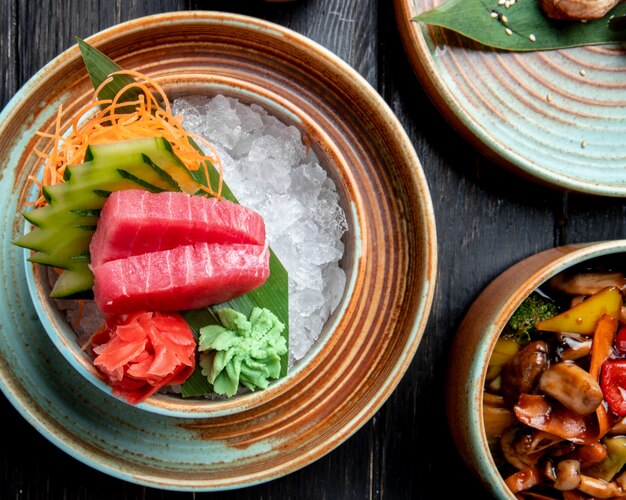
(586, 283)
(523, 479)
(567, 475)
(573, 346)
(599, 488)
(524, 447)
(521, 374)
(549, 471)
(572, 386)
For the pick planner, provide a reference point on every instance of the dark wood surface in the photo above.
(487, 219)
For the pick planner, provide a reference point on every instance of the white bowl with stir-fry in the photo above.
(536, 388)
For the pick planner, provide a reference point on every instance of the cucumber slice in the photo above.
(166, 170)
(73, 282)
(65, 226)
(47, 217)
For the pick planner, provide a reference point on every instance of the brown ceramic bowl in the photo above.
(390, 261)
(476, 338)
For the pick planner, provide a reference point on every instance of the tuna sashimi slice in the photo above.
(133, 222)
(182, 278)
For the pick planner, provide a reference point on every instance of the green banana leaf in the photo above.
(483, 21)
(272, 295)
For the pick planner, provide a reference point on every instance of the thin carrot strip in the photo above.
(153, 83)
(91, 337)
(605, 422)
(603, 338)
(106, 124)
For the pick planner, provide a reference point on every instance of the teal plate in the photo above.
(368, 343)
(558, 116)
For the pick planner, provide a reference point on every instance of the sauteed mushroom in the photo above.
(587, 283)
(577, 9)
(574, 387)
(522, 373)
(598, 488)
(567, 475)
(573, 346)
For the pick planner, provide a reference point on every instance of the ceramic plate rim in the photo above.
(32, 411)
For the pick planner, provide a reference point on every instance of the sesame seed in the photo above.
(494, 14)
(583, 72)
(549, 97)
(507, 4)
(532, 37)
(501, 2)
(583, 144)
(504, 19)
(508, 31)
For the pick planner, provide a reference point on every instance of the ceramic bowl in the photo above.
(365, 347)
(476, 338)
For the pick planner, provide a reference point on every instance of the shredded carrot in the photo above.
(102, 121)
(89, 341)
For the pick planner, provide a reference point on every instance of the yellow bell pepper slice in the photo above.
(582, 318)
(503, 352)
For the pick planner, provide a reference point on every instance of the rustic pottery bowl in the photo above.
(476, 338)
(366, 345)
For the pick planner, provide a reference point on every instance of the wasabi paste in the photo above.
(242, 350)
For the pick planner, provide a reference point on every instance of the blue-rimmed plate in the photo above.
(558, 117)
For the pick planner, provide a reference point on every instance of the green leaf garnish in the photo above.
(272, 295)
(523, 26)
(99, 70)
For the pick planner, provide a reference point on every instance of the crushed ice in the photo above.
(269, 168)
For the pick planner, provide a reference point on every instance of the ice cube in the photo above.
(270, 169)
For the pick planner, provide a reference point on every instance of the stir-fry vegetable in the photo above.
(555, 392)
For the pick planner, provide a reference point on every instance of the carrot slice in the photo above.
(603, 338)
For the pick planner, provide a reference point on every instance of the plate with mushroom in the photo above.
(557, 117)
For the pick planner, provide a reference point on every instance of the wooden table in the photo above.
(487, 219)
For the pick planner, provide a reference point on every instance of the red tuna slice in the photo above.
(185, 277)
(133, 222)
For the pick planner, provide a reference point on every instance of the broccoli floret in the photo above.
(523, 322)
